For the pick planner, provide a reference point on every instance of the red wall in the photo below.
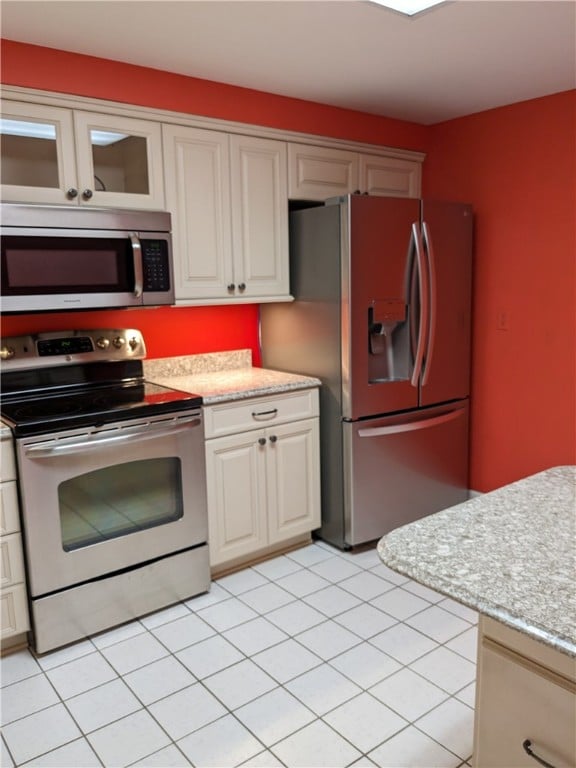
(517, 165)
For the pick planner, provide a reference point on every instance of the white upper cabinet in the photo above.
(55, 155)
(390, 176)
(197, 167)
(259, 186)
(317, 173)
(228, 197)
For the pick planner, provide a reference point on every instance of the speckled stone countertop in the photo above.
(509, 554)
(223, 376)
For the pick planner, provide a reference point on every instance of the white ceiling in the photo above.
(462, 57)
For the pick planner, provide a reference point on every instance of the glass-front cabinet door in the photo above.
(119, 161)
(37, 147)
(56, 155)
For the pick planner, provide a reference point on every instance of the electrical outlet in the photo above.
(503, 320)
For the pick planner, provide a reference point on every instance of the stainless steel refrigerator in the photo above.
(381, 315)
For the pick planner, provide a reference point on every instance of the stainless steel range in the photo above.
(112, 482)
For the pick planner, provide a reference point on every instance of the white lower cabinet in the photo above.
(14, 620)
(525, 702)
(263, 477)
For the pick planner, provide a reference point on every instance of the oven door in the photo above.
(100, 500)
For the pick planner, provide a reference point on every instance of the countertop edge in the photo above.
(508, 554)
(518, 623)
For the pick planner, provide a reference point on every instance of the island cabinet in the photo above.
(229, 202)
(263, 476)
(56, 155)
(525, 701)
(14, 621)
(317, 173)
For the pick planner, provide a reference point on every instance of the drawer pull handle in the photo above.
(261, 441)
(527, 747)
(273, 438)
(264, 415)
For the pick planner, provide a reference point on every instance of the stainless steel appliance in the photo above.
(57, 257)
(111, 478)
(381, 315)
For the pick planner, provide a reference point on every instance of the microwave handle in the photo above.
(138, 272)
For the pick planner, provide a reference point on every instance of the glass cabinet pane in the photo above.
(29, 154)
(120, 162)
(119, 500)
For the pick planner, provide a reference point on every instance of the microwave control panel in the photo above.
(155, 265)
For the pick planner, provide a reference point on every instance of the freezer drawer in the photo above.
(403, 467)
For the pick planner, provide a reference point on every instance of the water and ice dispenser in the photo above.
(388, 340)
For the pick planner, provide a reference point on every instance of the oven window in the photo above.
(119, 500)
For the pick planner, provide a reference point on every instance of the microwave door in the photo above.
(68, 269)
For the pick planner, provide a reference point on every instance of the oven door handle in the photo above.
(97, 442)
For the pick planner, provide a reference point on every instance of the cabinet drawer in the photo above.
(14, 611)
(258, 412)
(517, 701)
(11, 560)
(7, 463)
(9, 513)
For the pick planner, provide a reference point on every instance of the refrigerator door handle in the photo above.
(412, 426)
(427, 240)
(416, 239)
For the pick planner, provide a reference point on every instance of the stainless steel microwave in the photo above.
(58, 258)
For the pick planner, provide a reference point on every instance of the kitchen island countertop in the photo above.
(509, 554)
(223, 376)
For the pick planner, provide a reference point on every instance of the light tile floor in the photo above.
(314, 658)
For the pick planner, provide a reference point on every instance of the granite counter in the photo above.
(509, 554)
(223, 376)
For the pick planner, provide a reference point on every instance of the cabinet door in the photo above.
(389, 176)
(259, 217)
(293, 473)
(119, 161)
(11, 560)
(13, 611)
(9, 511)
(518, 700)
(198, 196)
(317, 173)
(38, 163)
(236, 489)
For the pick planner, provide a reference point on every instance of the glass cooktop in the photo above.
(39, 413)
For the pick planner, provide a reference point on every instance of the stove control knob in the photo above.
(102, 343)
(133, 342)
(119, 342)
(7, 352)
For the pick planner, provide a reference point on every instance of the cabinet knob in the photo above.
(87, 194)
(231, 286)
(261, 441)
(273, 438)
(242, 287)
(8, 352)
(71, 193)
